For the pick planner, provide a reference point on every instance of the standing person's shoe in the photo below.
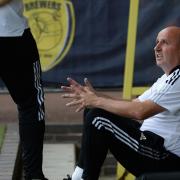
(67, 178)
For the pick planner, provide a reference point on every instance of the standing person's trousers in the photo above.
(20, 71)
(139, 152)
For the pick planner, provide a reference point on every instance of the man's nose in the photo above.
(157, 47)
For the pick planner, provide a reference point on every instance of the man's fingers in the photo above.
(81, 107)
(73, 82)
(74, 103)
(88, 84)
(75, 85)
(71, 95)
(66, 88)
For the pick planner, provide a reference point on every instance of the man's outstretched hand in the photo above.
(82, 96)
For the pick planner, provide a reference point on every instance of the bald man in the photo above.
(150, 146)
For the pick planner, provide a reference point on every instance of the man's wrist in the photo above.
(98, 102)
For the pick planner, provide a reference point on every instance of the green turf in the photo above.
(2, 133)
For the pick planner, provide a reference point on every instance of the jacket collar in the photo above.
(177, 67)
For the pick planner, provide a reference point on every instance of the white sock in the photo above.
(77, 174)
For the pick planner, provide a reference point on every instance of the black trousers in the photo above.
(20, 71)
(139, 152)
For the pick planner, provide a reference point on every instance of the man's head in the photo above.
(167, 49)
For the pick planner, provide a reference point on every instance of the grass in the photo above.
(2, 133)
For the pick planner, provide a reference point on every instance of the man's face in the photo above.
(167, 49)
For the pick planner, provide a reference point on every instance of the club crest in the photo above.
(52, 24)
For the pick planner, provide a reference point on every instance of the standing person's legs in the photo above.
(136, 151)
(20, 71)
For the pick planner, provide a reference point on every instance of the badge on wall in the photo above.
(52, 23)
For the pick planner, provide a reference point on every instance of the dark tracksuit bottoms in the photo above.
(139, 152)
(20, 71)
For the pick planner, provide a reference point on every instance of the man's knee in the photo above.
(91, 114)
(30, 111)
